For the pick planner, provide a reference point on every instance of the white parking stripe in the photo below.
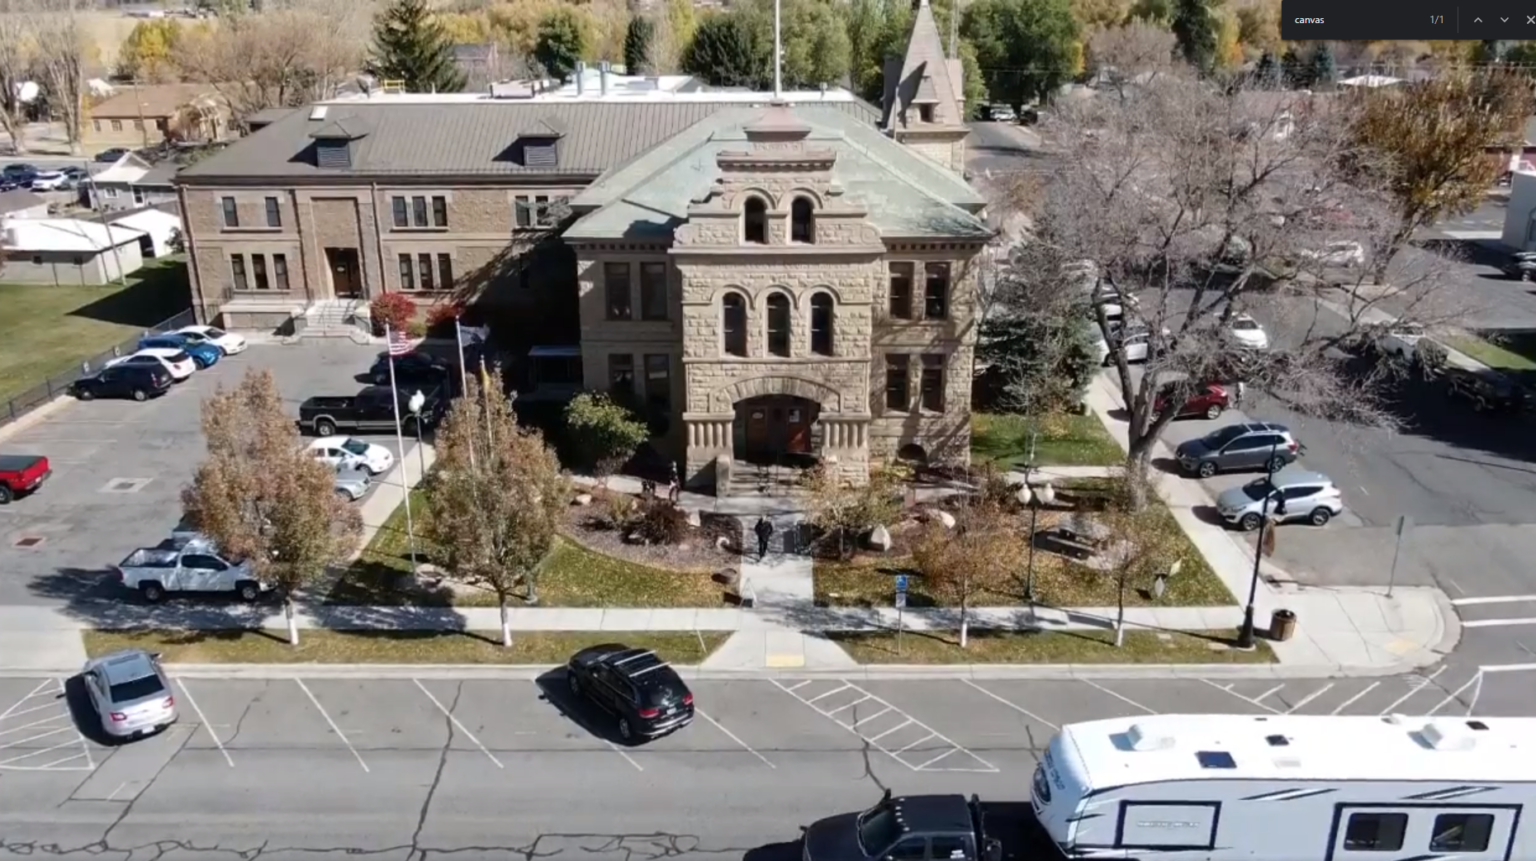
(1122, 698)
(747, 747)
(1452, 698)
(829, 693)
(884, 711)
(916, 743)
(1266, 695)
(12, 710)
(936, 759)
(32, 724)
(206, 725)
(1499, 623)
(1352, 700)
(1413, 688)
(849, 706)
(573, 719)
(1241, 697)
(334, 728)
(1495, 599)
(37, 752)
(903, 725)
(455, 721)
(1309, 698)
(799, 686)
(1020, 709)
(987, 767)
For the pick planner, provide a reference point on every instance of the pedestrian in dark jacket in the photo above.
(764, 531)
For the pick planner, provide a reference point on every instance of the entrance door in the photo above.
(757, 431)
(346, 274)
(1375, 832)
(799, 426)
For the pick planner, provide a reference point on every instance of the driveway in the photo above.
(119, 467)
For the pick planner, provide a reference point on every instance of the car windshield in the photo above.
(136, 689)
(1218, 438)
(215, 333)
(178, 358)
(1256, 490)
(878, 828)
(1242, 325)
(355, 446)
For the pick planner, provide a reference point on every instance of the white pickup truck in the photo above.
(1400, 341)
(186, 563)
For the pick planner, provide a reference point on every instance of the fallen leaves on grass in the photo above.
(1051, 647)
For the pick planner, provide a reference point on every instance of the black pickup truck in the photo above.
(930, 827)
(371, 410)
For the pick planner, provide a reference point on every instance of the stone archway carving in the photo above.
(727, 397)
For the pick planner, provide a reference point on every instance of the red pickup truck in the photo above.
(21, 474)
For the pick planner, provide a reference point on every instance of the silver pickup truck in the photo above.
(186, 563)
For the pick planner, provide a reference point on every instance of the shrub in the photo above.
(605, 431)
(415, 328)
(661, 522)
(393, 310)
(621, 509)
(443, 315)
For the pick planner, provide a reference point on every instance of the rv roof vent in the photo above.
(1277, 740)
(1287, 762)
(1478, 725)
(1142, 738)
(317, 112)
(1215, 759)
(1441, 736)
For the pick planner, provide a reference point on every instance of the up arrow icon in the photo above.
(1477, 20)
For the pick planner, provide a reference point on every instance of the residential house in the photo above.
(133, 182)
(67, 251)
(159, 225)
(146, 115)
(21, 203)
(772, 279)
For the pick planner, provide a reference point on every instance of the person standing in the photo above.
(674, 487)
(764, 531)
(1242, 391)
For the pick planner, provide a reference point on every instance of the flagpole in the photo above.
(485, 387)
(458, 333)
(405, 487)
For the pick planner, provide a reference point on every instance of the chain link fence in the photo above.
(59, 384)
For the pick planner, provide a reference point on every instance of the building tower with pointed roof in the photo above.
(924, 103)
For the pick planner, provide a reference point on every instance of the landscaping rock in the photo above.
(723, 543)
(943, 517)
(879, 539)
(582, 499)
(695, 519)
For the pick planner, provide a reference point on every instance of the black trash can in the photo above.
(1282, 625)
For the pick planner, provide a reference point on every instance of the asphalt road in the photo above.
(405, 769)
(119, 467)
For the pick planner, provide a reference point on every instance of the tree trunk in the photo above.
(293, 619)
(16, 128)
(1138, 465)
(506, 622)
(965, 624)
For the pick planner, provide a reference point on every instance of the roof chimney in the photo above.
(581, 79)
(602, 76)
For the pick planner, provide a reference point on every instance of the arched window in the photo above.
(821, 324)
(802, 221)
(778, 324)
(755, 221)
(733, 322)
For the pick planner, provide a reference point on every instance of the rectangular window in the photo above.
(1462, 832)
(117, 125)
(653, 291)
(439, 211)
(407, 273)
(658, 381)
(418, 212)
(401, 210)
(522, 211)
(445, 271)
(237, 269)
(616, 285)
(1375, 832)
(541, 214)
(936, 291)
(259, 270)
(274, 213)
(231, 212)
(280, 271)
(933, 383)
(96, 124)
(424, 271)
(621, 373)
(138, 125)
(896, 391)
(901, 291)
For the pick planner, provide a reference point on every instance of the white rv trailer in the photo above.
(1290, 788)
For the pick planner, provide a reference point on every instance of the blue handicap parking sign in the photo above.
(901, 582)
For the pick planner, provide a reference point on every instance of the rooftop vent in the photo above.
(1215, 759)
(1141, 738)
(511, 90)
(1277, 740)
(1443, 736)
(1477, 725)
(317, 113)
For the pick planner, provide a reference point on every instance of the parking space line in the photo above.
(987, 767)
(27, 725)
(1267, 694)
(581, 723)
(1448, 700)
(334, 728)
(1352, 700)
(1413, 689)
(1310, 697)
(849, 706)
(1121, 697)
(1021, 710)
(935, 759)
(31, 754)
(799, 686)
(865, 720)
(12, 710)
(55, 731)
(1231, 692)
(455, 721)
(204, 718)
(59, 762)
(744, 746)
(27, 711)
(903, 725)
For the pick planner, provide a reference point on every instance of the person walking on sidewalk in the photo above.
(1242, 390)
(674, 487)
(764, 531)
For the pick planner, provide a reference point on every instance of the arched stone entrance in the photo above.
(774, 429)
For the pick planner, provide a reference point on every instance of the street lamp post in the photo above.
(1046, 495)
(1246, 638)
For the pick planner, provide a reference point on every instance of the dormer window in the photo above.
(802, 221)
(755, 221)
(539, 146)
(333, 141)
(925, 113)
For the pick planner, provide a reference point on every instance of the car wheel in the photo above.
(325, 427)
(154, 593)
(1321, 516)
(1275, 464)
(83, 394)
(140, 395)
(626, 731)
(345, 496)
(198, 363)
(5, 495)
(1250, 522)
(248, 592)
(1207, 469)
(1213, 412)
(574, 681)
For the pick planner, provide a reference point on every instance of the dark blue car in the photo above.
(204, 353)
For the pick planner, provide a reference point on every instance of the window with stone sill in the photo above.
(821, 324)
(778, 325)
(621, 374)
(733, 320)
(932, 383)
(936, 291)
(259, 271)
(231, 211)
(897, 389)
(653, 291)
(802, 221)
(419, 211)
(616, 291)
(658, 381)
(754, 221)
(901, 290)
(237, 271)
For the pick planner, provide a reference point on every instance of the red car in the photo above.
(1209, 401)
(21, 473)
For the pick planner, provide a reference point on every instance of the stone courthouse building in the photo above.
(776, 279)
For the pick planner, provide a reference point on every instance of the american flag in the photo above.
(399, 344)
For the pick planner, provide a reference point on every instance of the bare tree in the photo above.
(15, 61)
(60, 43)
(1212, 202)
(504, 64)
(1134, 52)
(978, 556)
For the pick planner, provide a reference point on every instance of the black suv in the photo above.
(413, 369)
(916, 827)
(1487, 391)
(139, 382)
(636, 686)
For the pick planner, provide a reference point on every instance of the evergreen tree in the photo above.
(560, 43)
(410, 45)
(1197, 28)
(1293, 70)
(1322, 71)
(1266, 74)
(637, 45)
(727, 52)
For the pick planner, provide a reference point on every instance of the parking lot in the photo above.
(379, 765)
(119, 467)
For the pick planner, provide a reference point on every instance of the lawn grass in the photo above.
(1051, 647)
(1512, 352)
(1063, 440)
(47, 331)
(572, 575)
(393, 647)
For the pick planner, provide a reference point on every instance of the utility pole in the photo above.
(138, 103)
(778, 56)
